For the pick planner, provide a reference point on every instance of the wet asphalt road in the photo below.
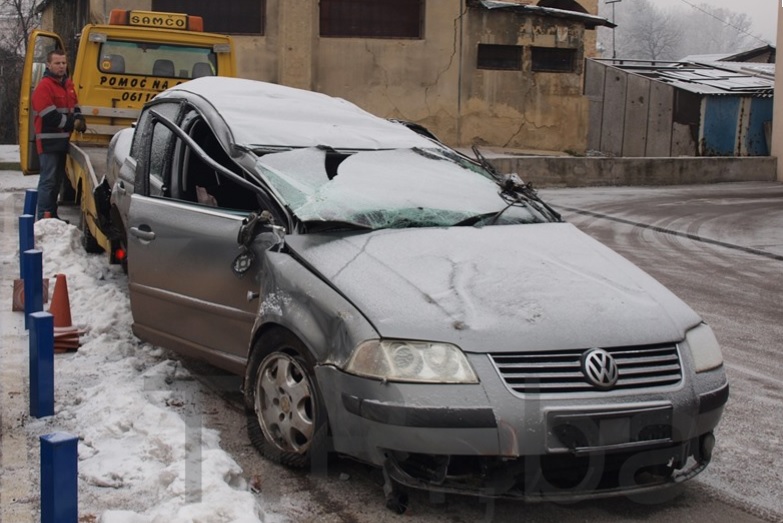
(720, 248)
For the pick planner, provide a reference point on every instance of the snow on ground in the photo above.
(143, 455)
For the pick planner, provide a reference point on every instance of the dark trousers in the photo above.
(49, 182)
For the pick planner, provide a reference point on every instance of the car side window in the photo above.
(196, 181)
(162, 141)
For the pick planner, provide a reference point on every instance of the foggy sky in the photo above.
(763, 13)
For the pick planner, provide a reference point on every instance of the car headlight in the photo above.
(705, 349)
(419, 361)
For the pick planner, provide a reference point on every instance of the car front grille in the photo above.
(555, 372)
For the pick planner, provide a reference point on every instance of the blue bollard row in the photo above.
(59, 472)
(30, 201)
(41, 364)
(59, 451)
(26, 239)
(32, 261)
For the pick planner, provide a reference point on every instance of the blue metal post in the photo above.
(26, 238)
(33, 283)
(59, 478)
(41, 364)
(30, 201)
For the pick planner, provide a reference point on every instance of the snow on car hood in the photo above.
(497, 288)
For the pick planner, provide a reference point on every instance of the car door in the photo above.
(184, 292)
(38, 46)
(124, 180)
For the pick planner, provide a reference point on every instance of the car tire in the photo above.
(68, 195)
(89, 242)
(286, 419)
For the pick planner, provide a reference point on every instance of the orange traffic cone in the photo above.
(66, 336)
(17, 302)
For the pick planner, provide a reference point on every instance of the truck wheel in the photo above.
(69, 195)
(89, 242)
(286, 420)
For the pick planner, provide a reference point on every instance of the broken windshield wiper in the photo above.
(488, 217)
(515, 192)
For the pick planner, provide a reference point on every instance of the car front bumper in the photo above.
(485, 439)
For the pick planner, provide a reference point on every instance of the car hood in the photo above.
(498, 288)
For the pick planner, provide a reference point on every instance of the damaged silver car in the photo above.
(389, 299)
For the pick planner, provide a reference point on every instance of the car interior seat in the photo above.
(201, 69)
(163, 67)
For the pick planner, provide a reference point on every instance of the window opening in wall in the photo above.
(234, 17)
(503, 57)
(372, 18)
(553, 59)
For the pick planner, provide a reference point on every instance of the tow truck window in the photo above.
(162, 60)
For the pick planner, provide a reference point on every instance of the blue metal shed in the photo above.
(699, 109)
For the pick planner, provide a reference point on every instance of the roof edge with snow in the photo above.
(590, 21)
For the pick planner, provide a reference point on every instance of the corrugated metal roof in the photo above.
(756, 69)
(710, 79)
(767, 52)
(590, 21)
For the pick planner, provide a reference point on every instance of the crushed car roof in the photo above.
(262, 114)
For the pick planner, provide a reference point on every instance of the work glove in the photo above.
(79, 125)
(68, 127)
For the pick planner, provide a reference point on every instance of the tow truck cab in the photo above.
(119, 66)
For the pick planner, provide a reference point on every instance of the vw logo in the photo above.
(600, 369)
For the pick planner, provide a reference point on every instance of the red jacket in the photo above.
(55, 107)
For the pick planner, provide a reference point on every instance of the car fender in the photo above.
(327, 323)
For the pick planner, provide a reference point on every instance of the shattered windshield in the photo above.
(389, 189)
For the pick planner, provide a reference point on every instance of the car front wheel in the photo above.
(287, 421)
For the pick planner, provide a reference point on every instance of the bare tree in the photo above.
(18, 18)
(646, 31)
(655, 34)
(714, 30)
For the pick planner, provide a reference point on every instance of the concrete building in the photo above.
(777, 112)
(488, 72)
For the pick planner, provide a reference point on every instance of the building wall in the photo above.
(633, 116)
(538, 110)
(416, 80)
(432, 81)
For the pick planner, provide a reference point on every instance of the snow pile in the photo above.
(143, 455)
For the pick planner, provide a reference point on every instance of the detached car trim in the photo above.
(423, 417)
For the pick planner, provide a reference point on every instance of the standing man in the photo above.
(57, 113)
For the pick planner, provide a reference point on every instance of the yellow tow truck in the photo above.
(119, 66)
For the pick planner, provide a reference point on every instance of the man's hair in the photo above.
(58, 52)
